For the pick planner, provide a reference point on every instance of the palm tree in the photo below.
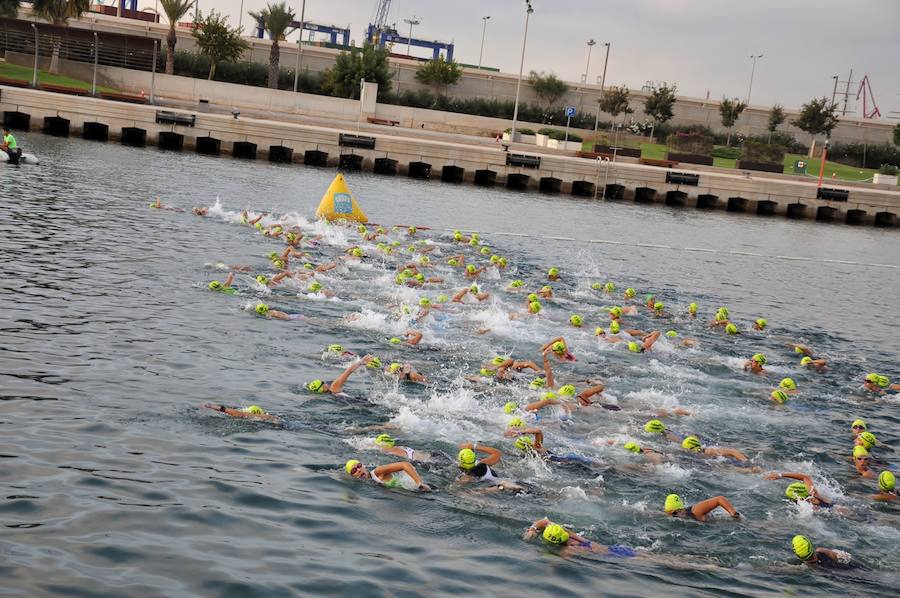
(9, 8)
(175, 11)
(276, 20)
(58, 12)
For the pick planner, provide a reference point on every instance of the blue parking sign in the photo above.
(570, 111)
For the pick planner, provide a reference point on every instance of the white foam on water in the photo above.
(671, 472)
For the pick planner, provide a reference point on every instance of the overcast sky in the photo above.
(701, 45)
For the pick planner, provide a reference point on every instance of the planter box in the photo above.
(761, 166)
(626, 152)
(573, 146)
(690, 158)
(885, 179)
(519, 137)
(541, 140)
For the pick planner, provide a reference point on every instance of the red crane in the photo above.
(865, 90)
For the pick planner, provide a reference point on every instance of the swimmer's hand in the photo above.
(772, 476)
(214, 407)
(424, 488)
(736, 516)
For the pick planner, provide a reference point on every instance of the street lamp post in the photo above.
(591, 43)
(834, 92)
(410, 22)
(754, 57)
(299, 45)
(528, 11)
(602, 86)
(483, 31)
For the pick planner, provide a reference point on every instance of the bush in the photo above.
(731, 153)
(889, 169)
(865, 156)
(189, 64)
(694, 142)
(521, 131)
(558, 134)
(759, 151)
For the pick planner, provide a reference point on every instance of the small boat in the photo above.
(23, 159)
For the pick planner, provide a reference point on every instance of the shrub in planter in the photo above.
(757, 151)
(691, 142)
(889, 169)
(761, 166)
(730, 153)
(520, 131)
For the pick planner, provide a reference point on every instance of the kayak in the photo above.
(24, 159)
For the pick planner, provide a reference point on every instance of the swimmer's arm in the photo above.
(793, 476)
(255, 220)
(413, 337)
(404, 466)
(702, 508)
(636, 333)
(884, 497)
(461, 258)
(585, 395)
(549, 343)
(493, 455)
(535, 527)
(892, 386)
(228, 280)
(339, 382)
(326, 267)
(548, 373)
(537, 405)
(725, 452)
(483, 295)
(458, 297)
(526, 365)
(280, 276)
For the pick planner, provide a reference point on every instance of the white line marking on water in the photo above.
(700, 249)
(788, 257)
(656, 246)
(608, 242)
(747, 253)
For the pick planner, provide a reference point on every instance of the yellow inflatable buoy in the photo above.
(339, 204)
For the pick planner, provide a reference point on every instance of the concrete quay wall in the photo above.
(404, 154)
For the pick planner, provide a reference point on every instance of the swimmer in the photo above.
(223, 287)
(158, 205)
(337, 385)
(265, 311)
(457, 261)
(200, 211)
(755, 364)
(254, 412)
(808, 362)
(387, 444)
(857, 427)
(559, 348)
(404, 371)
(867, 440)
(646, 343)
(877, 383)
(861, 460)
(571, 542)
(820, 557)
(674, 507)
(760, 324)
(692, 310)
(652, 455)
(545, 292)
(472, 272)
(553, 274)
(473, 469)
(659, 310)
(887, 486)
(386, 475)
(801, 349)
(692, 443)
(470, 290)
(802, 491)
(535, 446)
(654, 426)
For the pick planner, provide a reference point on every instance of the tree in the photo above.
(9, 8)
(276, 20)
(897, 134)
(817, 116)
(615, 101)
(58, 12)
(175, 11)
(217, 41)
(548, 88)
(776, 117)
(730, 111)
(369, 62)
(439, 73)
(659, 104)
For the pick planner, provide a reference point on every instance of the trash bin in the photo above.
(203, 106)
(799, 166)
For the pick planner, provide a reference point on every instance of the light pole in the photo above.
(410, 22)
(591, 43)
(602, 85)
(834, 92)
(528, 11)
(299, 45)
(241, 15)
(483, 31)
(754, 57)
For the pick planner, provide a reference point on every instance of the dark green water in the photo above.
(117, 483)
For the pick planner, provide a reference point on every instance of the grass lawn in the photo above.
(25, 73)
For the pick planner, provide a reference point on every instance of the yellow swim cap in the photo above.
(659, 306)
(692, 308)
(788, 383)
(510, 407)
(576, 320)
(797, 491)
(374, 363)
(803, 548)
(487, 372)
(214, 285)
(858, 423)
(779, 396)
(614, 327)
(671, 334)
(556, 534)
(537, 383)
(385, 440)
(254, 409)
(860, 451)
(731, 329)
(553, 272)
(598, 331)
(887, 481)
(516, 422)
(629, 292)
(692, 443)
(655, 426)
(806, 360)
(315, 287)
(567, 390)
(609, 287)
(550, 396)
(466, 458)
(596, 286)
(316, 386)
(632, 446)
(634, 347)
(559, 347)
(524, 443)
(394, 367)
(868, 439)
(498, 360)
(262, 309)
(673, 503)
(761, 323)
(759, 358)
(350, 465)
